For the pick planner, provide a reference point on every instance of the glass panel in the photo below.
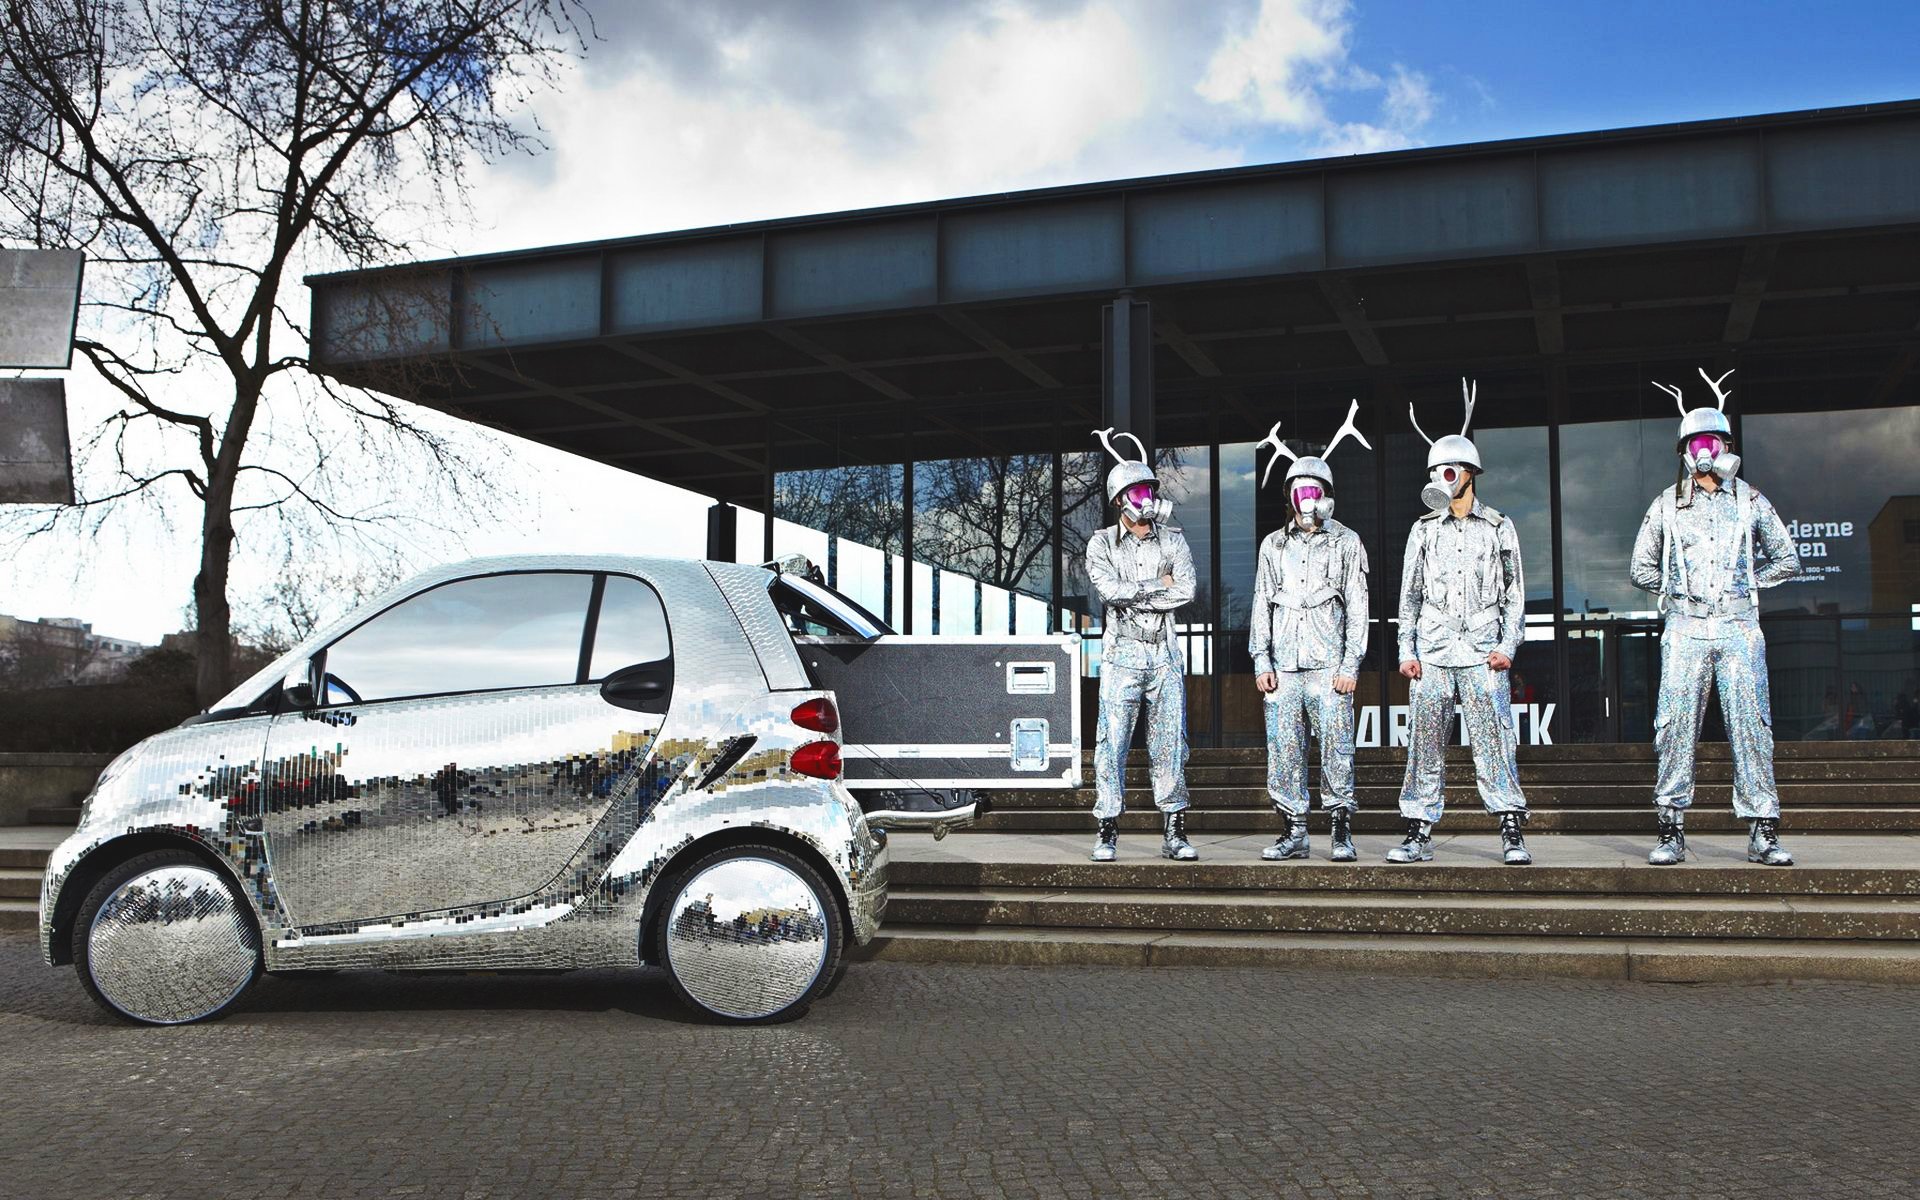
(1586, 714)
(1880, 662)
(632, 628)
(1846, 484)
(1186, 479)
(1610, 471)
(1082, 511)
(498, 631)
(984, 521)
(1516, 483)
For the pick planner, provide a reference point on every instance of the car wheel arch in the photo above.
(722, 839)
(98, 862)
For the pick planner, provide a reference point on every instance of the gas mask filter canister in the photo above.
(1444, 482)
(1708, 452)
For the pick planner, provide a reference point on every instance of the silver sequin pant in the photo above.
(1486, 712)
(1163, 688)
(1307, 698)
(1737, 661)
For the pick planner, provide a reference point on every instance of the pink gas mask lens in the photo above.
(1139, 495)
(1710, 443)
(1304, 493)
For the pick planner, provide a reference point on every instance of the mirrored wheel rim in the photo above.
(172, 945)
(747, 937)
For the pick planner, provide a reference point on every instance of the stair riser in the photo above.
(1623, 774)
(1254, 795)
(1635, 821)
(1578, 752)
(1766, 920)
(24, 859)
(1320, 875)
(1625, 963)
(13, 920)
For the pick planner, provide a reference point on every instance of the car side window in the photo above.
(480, 634)
(632, 629)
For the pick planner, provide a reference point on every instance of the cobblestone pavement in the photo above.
(961, 1081)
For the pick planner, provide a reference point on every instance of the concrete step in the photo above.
(64, 814)
(1883, 865)
(1467, 818)
(19, 883)
(1252, 793)
(1464, 914)
(1571, 752)
(1632, 774)
(17, 915)
(1647, 960)
(28, 846)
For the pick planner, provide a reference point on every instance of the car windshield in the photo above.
(814, 608)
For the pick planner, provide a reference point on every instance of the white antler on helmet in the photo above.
(1718, 394)
(1279, 448)
(1468, 392)
(1349, 427)
(1679, 401)
(1107, 437)
(1416, 424)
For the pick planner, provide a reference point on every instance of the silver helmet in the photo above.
(1444, 456)
(1311, 466)
(1704, 420)
(1127, 473)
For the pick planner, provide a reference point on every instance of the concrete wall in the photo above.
(45, 781)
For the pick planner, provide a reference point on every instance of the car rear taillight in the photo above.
(817, 714)
(821, 760)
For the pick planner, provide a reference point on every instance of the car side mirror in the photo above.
(297, 689)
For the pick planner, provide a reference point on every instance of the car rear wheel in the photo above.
(751, 935)
(164, 939)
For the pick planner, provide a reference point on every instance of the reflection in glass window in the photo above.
(849, 521)
(983, 521)
(497, 631)
(1610, 472)
(1517, 484)
(1845, 484)
(632, 629)
(1082, 510)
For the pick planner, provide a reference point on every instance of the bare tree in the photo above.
(201, 151)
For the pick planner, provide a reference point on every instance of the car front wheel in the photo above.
(751, 935)
(164, 939)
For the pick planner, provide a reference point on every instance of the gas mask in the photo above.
(1706, 452)
(1445, 483)
(1311, 502)
(1143, 502)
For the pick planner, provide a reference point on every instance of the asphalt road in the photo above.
(962, 1081)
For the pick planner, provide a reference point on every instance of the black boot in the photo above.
(1513, 844)
(1293, 843)
(1763, 843)
(1175, 844)
(1419, 844)
(1107, 842)
(1342, 819)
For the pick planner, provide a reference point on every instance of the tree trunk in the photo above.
(214, 619)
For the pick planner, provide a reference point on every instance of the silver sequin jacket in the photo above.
(1309, 601)
(1462, 595)
(1126, 574)
(1706, 574)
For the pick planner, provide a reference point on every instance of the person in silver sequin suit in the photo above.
(1141, 570)
(1462, 611)
(1706, 548)
(1309, 631)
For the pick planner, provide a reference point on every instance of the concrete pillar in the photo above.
(723, 524)
(1126, 367)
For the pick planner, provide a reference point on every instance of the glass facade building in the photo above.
(995, 539)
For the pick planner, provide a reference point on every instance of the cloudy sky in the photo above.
(701, 112)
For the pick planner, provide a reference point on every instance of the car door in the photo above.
(464, 744)
(939, 713)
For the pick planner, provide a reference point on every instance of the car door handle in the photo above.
(643, 687)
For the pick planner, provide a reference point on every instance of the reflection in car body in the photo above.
(503, 764)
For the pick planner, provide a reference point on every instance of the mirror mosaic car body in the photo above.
(554, 762)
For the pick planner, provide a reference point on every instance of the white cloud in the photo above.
(703, 112)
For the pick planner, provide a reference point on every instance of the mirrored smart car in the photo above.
(553, 763)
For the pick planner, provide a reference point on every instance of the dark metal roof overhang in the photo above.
(691, 357)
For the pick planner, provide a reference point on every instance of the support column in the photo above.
(1126, 368)
(723, 528)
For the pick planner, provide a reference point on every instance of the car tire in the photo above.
(164, 939)
(724, 968)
